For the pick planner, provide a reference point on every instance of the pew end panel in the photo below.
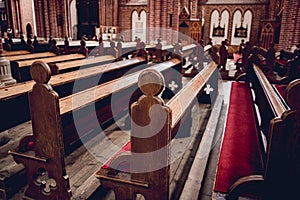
(143, 181)
(282, 165)
(46, 175)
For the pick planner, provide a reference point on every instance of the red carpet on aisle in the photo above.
(240, 154)
(281, 89)
(125, 148)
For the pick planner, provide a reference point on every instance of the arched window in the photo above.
(74, 21)
(225, 23)
(139, 25)
(248, 22)
(241, 27)
(29, 33)
(214, 21)
(219, 26)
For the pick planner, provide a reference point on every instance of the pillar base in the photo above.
(5, 72)
(9, 82)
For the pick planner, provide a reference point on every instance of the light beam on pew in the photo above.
(126, 95)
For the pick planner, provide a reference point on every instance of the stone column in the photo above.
(5, 71)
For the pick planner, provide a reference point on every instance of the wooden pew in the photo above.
(193, 66)
(293, 70)
(258, 57)
(281, 62)
(275, 173)
(147, 164)
(14, 53)
(14, 99)
(52, 116)
(80, 64)
(20, 69)
(29, 56)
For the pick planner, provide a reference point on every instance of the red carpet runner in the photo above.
(281, 89)
(126, 147)
(239, 154)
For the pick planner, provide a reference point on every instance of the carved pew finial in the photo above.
(42, 153)
(40, 72)
(151, 82)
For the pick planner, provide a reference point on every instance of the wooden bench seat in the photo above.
(82, 64)
(20, 69)
(271, 171)
(14, 99)
(145, 170)
(14, 53)
(57, 119)
(30, 56)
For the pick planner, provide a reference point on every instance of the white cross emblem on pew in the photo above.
(208, 89)
(173, 85)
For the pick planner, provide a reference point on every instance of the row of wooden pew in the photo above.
(58, 120)
(44, 157)
(20, 64)
(260, 151)
(15, 99)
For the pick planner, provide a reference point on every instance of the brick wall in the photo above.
(118, 13)
(290, 25)
(125, 19)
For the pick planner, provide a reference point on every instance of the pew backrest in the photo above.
(30, 56)
(14, 98)
(75, 64)
(20, 69)
(280, 123)
(280, 126)
(14, 53)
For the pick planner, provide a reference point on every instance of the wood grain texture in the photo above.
(48, 154)
(180, 102)
(30, 56)
(88, 61)
(60, 79)
(14, 53)
(53, 59)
